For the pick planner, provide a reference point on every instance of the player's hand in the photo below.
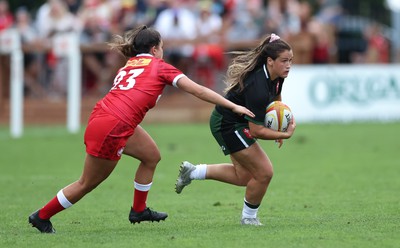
(291, 127)
(242, 111)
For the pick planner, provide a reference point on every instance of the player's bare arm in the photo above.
(211, 96)
(261, 132)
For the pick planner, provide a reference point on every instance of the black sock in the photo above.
(251, 205)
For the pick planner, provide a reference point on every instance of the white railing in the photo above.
(10, 43)
(68, 45)
(64, 45)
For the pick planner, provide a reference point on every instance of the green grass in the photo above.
(334, 186)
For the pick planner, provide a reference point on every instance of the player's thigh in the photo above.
(254, 160)
(142, 146)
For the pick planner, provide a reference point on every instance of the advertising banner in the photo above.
(343, 93)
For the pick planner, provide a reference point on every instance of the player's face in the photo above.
(158, 50)
(281, 65)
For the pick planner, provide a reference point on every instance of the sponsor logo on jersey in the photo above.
(138, 62)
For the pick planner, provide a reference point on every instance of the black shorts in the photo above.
(231, 137)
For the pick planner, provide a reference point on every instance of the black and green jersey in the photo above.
(259, 91)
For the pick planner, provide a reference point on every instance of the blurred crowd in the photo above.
(196, 34)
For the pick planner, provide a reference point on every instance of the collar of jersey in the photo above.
(266, 71)
(144, 54)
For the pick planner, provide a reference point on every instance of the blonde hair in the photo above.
(136, 41)
(246, 61)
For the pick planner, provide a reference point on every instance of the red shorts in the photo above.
(105, 135)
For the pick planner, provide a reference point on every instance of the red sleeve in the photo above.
(168, 73)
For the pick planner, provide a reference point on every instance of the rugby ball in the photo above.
(278, 116)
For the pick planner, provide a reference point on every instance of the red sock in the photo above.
(139, 200)
(50, 209)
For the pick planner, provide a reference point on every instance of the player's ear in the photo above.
(270, 61)
(153, 50)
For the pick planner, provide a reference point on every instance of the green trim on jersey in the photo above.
(254, 121)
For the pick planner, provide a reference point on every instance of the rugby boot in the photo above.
(184, 176)
(146, 215)
(44, 226)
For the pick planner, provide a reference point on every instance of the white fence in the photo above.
(10, 43)
(322, 93)
(64, 45)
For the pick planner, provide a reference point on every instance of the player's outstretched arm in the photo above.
(211, 96)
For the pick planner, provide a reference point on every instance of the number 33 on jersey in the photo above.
(140, 83)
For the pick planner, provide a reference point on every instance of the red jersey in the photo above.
(138, 86)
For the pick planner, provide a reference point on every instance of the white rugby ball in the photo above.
(278, 116)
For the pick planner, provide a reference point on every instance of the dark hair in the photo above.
(247, 61)
(136, 41)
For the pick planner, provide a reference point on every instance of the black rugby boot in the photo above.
(44, 226)
(146, 215)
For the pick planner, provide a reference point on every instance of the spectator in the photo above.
(6, 17)
(242, 21)
(6, 21)
(96, 18)
(208, 53)
(303, 41)
(283, 17)
(103, 12)
(324, 37)
(208, 24)
(54, 18)
(142, 13)
(32, 59)
(351, 42)
(73, 6)
(217, 7)
(127, 16)
(323, 27)
(177, 27)
(328, 11)
(377, 46)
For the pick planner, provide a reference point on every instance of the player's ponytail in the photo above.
(136, 41)
(246, 61)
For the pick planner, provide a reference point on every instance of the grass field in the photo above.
(334, 186)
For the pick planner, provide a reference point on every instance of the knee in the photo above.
(157, 157)
(265, 176)
(152, 160)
